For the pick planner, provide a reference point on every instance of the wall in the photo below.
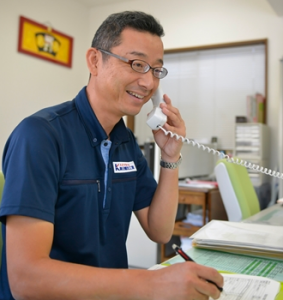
(28, 83)
(196, 23)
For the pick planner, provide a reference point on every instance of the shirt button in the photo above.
(94, 140)
(109, 189)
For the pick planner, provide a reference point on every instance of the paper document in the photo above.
(243, 238)
(246, 287)
(234, 263)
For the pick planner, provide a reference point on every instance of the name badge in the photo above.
(124, 167)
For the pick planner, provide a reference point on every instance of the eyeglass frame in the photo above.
(130, 62)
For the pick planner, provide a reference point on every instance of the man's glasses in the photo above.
(139, 65)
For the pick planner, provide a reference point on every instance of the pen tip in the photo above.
(174, 246)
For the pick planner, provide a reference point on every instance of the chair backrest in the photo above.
(238, 194)
(1, 191)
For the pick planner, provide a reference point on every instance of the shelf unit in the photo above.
(252, 145)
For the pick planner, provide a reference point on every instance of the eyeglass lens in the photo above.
(143, 67)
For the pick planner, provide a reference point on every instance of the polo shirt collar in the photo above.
(95, 131)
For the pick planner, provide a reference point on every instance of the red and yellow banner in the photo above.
(44, 42)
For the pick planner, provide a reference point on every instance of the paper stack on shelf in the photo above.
(198, 184)
(195, 218)
(242, 238)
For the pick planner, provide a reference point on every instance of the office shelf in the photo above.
(252, 145)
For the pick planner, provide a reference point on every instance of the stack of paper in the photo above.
(196, 217)
(242, 238)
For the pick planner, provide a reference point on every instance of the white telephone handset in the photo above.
(156, 117)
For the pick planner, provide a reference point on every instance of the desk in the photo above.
(272, 215)
(212, 207)
(241, 264)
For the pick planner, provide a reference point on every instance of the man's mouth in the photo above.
(135, 95)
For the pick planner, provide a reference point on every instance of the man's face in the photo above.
(125, 90)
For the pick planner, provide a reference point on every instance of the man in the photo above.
(74, 174)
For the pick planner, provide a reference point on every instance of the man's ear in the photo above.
(92, 60)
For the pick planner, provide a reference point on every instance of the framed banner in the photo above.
(44, 42)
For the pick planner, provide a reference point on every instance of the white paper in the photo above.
(245, 287)
(240, 234)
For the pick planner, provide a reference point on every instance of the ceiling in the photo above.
(91, 3)
(277, 5)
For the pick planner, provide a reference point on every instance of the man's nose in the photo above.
(148, 80)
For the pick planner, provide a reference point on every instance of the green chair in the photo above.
(1, 191)
(238, 194)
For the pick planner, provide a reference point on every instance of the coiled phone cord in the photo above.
(222, 155)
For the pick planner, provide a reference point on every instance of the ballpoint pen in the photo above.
(186, 257)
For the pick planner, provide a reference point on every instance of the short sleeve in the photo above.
(31, 165)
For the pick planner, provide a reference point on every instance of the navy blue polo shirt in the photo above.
(54, 171)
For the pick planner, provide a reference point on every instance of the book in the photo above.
(243, 287)
(260, 99)
(241, 238)
(251, 109)
(255, 108)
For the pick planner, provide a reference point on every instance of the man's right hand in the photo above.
(188, 281)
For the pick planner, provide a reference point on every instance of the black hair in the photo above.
(108, 34)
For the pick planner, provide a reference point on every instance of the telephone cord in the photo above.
(236, 161)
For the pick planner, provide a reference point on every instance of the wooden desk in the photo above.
(212, 207)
